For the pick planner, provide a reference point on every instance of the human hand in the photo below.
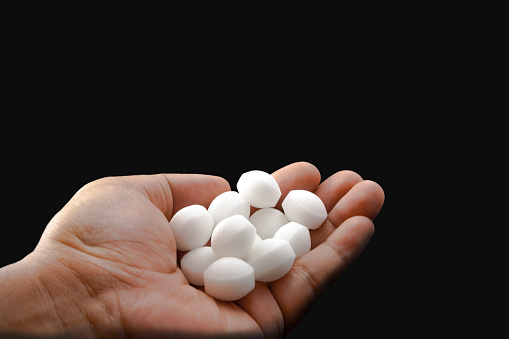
(107, 263)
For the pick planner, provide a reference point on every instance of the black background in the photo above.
(93, 112)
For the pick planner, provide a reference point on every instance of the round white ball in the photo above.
(233, 237)
(191, 226)
(271, 259)
(195, 262)
(297, 236)
(259, 188)
(229, 279)
(227, 204)
(267, 221)
(257, 240)
(305, 208)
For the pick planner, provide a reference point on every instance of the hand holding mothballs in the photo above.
(245, 248)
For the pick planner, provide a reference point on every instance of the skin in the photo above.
(107, 264)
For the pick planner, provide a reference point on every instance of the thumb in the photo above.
(171, 192)
(189, 189)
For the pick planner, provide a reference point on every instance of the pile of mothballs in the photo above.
(245, 248)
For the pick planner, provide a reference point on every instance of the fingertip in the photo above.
(221, 183)
(309, 168)
(301, 165)
(375, 190)
(299, 175)
(336, 186)
(303, 169)
(353, 175)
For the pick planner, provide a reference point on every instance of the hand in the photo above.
(107, 262)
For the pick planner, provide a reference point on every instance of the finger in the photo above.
(365, 198)
(311, 273)
(296, 176)
(336, 186)
(263, 308)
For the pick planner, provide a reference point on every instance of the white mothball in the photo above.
(305, 208)
(245, 248)
(271, 259)
(257, 239)
(297, 235)
(229, 279)
(195, 262)
(259, 188)
(233, 237)
(227, 204)
(267, 221)
(192, 226)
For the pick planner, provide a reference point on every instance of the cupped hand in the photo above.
(107, 262)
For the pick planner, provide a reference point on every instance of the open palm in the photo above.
(114, 237)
